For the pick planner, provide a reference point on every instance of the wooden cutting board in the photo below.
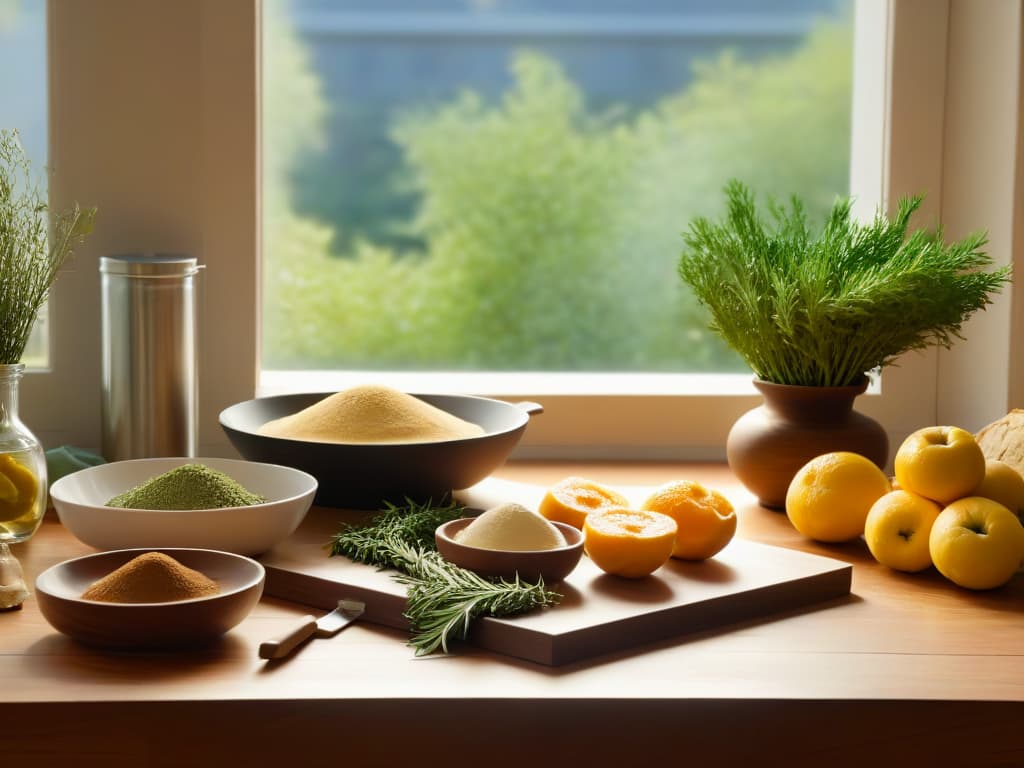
(598, 613)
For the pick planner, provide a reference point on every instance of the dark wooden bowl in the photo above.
(552, 565)
(176, 624)
(365, 475)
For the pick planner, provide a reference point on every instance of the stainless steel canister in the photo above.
(149, 402)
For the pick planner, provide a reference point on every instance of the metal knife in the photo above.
(327, 625)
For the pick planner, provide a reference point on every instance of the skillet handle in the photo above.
(529, 407)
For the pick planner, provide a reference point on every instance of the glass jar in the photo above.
(23, 486)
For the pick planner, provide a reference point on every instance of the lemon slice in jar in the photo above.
(18, 487)
(8, 490)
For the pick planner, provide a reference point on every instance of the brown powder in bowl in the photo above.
(371, 414)
(152, 577)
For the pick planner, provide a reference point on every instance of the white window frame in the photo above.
(154, 111)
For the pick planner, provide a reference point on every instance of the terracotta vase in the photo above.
(769, 444)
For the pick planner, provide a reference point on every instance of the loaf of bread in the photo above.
(1003, 439)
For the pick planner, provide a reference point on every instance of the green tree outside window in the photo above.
(550, 231)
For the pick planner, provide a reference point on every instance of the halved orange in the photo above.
(706, 519)
(570, 501)
(629, 542)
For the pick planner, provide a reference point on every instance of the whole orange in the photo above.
(629, 542)
(571, 499)
(706, 519)
(830, 496)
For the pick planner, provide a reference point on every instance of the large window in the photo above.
(498, 185)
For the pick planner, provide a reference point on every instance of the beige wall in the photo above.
(980, 185)
(148, 125)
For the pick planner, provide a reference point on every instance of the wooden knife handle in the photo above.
(282, 646)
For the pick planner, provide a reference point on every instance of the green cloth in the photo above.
(66, 459)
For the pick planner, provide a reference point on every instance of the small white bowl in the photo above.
(179, 623)
(80, 500)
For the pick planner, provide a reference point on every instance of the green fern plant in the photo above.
(825, 310)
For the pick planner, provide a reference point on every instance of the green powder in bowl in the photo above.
(190, 486)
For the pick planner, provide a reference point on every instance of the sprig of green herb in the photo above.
(29, 259)
(443, 599)
(823, 311)
(413, 524)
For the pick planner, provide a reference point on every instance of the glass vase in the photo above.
(23, 486)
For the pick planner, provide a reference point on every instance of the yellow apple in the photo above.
(977, 543)
(897, 530)
(1004, 484)
(940, 463)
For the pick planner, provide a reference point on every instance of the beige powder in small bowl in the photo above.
(511, 528)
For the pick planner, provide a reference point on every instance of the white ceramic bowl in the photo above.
(80, 499)
(180, 623)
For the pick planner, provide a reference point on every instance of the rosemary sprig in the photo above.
(443, 599)
(413, 524)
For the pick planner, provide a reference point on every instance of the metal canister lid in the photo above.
(158, 265)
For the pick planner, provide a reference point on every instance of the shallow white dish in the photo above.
(179, 623)
(80, 499)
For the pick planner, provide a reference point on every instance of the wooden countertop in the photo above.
(907, 668)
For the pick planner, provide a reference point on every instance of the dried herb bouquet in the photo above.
(825, 310)
(30, 258)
